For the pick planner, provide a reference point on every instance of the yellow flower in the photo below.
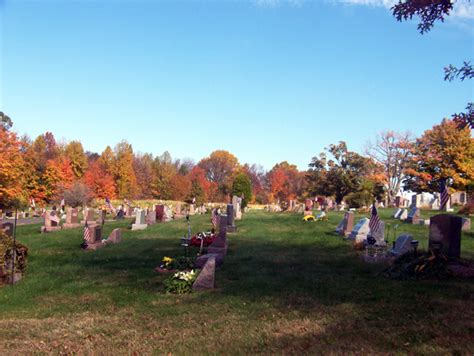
(309, 218)
(167, 260)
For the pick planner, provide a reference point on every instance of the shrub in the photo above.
(79, 194)
(242, 186)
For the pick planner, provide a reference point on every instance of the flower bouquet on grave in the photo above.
(173, 265)
(180, 282)
(203, 238)
(309, 218)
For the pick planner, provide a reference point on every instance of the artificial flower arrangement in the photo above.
(309, 218)
(169, 264)
(207, 239)
(180, 282)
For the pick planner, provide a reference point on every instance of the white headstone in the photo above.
(360, 231)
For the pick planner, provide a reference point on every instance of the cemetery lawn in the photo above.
(286, 287)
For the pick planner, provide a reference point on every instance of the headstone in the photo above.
(168, 213)
(346, 225)
(120, 214)
(115, 236)
(151, 217)
(413, 216)
(7, 228)
(140, 223)
(416, 201)
(89, 216)
(201, 260)
(397, 201)
(398, 213)
(445, 233)
(95, 241)
(178, 214)
(308, 205)
(360, 231)
(230, 219)
(206, 279)
(466, 224)
(402, 245)
(51, 221)
(72, 218)
(403, 215)
(192, 209)
(160, 213)
(378, 234)
(220, 246)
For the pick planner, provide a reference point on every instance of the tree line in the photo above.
(46, 170)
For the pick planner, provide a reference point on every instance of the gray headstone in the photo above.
(206, 279)
(115, 236)
(360, 231)
(402, 245)
(7, 228)
(414, 216)
(445, 230)
(140, 218)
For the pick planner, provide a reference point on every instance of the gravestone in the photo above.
(416, 201)
(398, 213)
(402, 245)
(206, 279)
(120, 214)
(168, 213)
(360, 231)
(220, 246)
(230, 219)
(201, 260)
(89, 216)
(192, 209)
(128, 211)
(403, 215)
(346, 225)
(378, 235)
(178, 214)
(51, 221)
(413, 216)
(466, 224)
(397, 201)
(95, 241)
(7, 228)
(308, 205)
(445, 233)
(115, 236)
(72, 218)
(237, 203)
(140, 223)
(160, 213)
(151, 217)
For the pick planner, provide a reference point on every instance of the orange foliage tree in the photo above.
(100, 183)
(11, 168)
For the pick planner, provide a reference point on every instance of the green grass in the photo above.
(286, 287)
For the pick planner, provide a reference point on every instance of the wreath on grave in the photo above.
(6, 257)
(207, 238)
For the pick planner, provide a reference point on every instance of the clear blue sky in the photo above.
(267, 80)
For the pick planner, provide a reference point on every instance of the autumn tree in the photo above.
(285, 182)
(258, 181)
(78, 159)
(11, 165)
(163, 170)
(124, 174)
(220, 167)
(443, 152)
(143, 167)
(107, 160)
(344, 174)
(392, 150)
(201, 188)
(100, 183)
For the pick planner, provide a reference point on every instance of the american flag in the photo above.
(108, 204)
(87, 233)
(214, 218)
(374, 223)
(444, 198)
